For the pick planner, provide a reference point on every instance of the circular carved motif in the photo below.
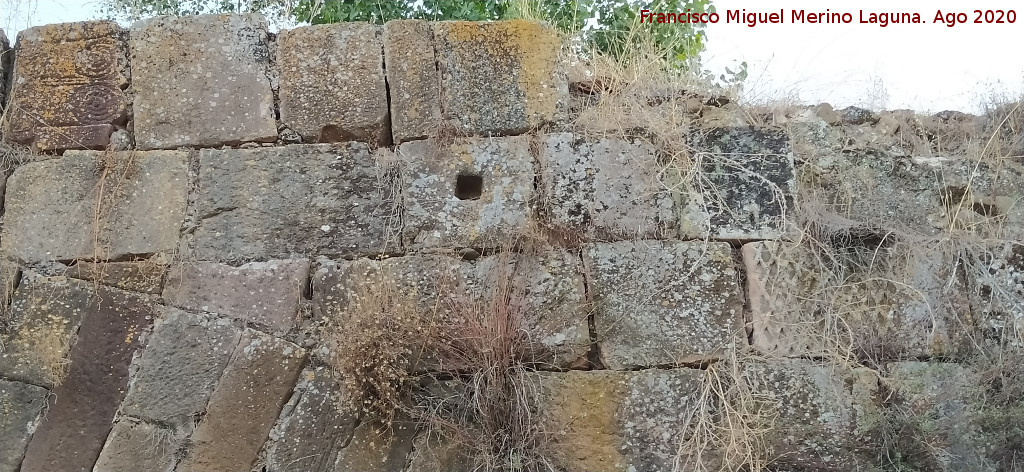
(95, 103)
(97, 59)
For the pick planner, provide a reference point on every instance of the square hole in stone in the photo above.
(469, 187)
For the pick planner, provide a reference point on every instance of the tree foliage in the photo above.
(609, 26)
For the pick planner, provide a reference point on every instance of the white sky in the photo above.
(927, 67)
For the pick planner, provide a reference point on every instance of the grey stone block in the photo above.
(67, 87)
(93, 205)
(888, 301)
(377, 447)
(332, 83)
(266, 293)
(499, 78)
(141, 276)
(21, 406)
(995, 284)
(332, 200)
(825, 414)
(605, 189)
(201, 81)
(473, 193)
(603, 420)
(312, 430)
(543, 295)
(662, 303)
(246, 404)
(412, 79)
(136, 445)
(950, 405)
(746, 189)
(179, 369)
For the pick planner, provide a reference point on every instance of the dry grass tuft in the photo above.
(476, 397)
(375, 346)
(495, 425)
(729, 428)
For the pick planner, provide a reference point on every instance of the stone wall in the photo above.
(204, 223)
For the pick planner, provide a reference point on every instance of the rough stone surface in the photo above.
(135, 446)
(10, 277)
(94, 205)
(995, 283)
(410, 286)
(201, 81)
(473, 193)
(5, 58)
(136, 276)
(332, 83)
(432, 453)
(747, 187)
(499, 78)
(311, 431)
(822, 414)
(547, 292)
(333, 200)
(266, 293)
(605, 189)
(603, 421)
(245, 405)
(376, 448)
(21, 406)
(412, 79)
(47, 314)
(82, 408)
(662, 303)
(177, 373)
(888, 301)
(947, 400)
(67, 87)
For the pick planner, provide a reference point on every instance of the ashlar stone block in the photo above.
(49, 312)
(136, 276)
(878, 301)
(67, 87)
(615, 421)
(413, 79)
(499, 78)
(266, 293)
(21, 407)
(201, 81)
(245, 405)
(331, 200)
(745, 189)
(821, 415)
(312, 429)
(472, 193)
(955, 412)
(180, 367)
(92, 205)
(663, 302)
(332, 83)
(605, 189)
(136, 445)
(542, 295)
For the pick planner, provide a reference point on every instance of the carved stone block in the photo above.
(67, 88)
